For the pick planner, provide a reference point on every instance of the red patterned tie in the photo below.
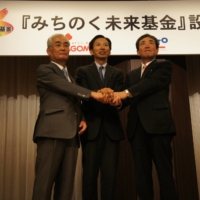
(143, 68)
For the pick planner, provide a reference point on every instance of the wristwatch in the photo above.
(128, 94)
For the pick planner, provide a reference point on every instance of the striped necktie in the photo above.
(101, 73)
(66, 74)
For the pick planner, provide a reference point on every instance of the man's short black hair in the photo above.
(91, 43)
(144, 36)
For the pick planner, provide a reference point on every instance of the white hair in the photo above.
(49, 41)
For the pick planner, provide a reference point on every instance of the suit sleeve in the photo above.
(50, 80)
(157, 78)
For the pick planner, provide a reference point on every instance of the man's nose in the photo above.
(102, 47)
(62, 47)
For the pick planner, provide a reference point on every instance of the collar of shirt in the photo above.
(146, 64)
(61, 67)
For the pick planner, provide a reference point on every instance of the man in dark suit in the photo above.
(59, 122)
(100, 142)
(150, 126)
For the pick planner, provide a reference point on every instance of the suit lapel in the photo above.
(60, 72)
(108, 74)
(95, 74)
(136, 76)
(57, 70)
(149, 68)
(71, 78)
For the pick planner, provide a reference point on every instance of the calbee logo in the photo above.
(5, 27)
(162, 42)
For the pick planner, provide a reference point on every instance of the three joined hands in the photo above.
(108, 96)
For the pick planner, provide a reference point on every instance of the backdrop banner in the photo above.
(26, 25)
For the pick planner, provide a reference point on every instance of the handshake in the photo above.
(108, 96)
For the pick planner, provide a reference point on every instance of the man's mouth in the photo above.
(102, 52)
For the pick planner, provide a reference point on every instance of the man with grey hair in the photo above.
(59, 123)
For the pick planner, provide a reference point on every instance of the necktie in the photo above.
(101, 74)
(143, 68)
(66, 74)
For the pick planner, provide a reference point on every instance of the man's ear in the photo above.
(48, 51)
(91, 52)
(138, 53)
(157, 50)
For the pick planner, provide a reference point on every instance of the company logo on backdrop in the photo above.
(5, 27)
(162, 43)
(77, 46)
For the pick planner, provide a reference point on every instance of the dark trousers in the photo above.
(100, 154)
(55, 166)
(157, 148)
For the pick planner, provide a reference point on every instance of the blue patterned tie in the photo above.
(66, 74)
(101, 74)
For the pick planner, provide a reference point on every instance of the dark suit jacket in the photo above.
(97, 112)
(150, 100)
(60, 110)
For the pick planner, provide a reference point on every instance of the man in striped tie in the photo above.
(60, 121)
(100, 142)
